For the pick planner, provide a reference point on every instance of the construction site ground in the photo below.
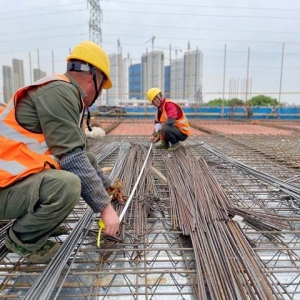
(216, 219)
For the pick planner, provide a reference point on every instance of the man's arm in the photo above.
(92, 188)
(59, 113)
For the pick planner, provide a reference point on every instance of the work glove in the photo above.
(157, 127)
(155, 138)
(115, 191)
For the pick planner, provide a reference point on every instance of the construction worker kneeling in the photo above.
(44, 164)
(171, 125)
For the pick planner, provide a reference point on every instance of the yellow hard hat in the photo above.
(93, 54)
(152, 93)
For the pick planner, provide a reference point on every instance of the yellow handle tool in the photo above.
(101, 226)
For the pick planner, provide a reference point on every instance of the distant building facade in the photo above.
(167, 87)
(8, 89)
(152, 71)
(193, 66)
(115, 94)
(135, 81)
(38, 74)
(180, 81)
(126, 64)
(18, 73)
(177, 79)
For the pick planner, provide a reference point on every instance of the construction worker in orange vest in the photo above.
(171, 125)
(44, 166)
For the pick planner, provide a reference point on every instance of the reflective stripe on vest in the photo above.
(181, 123)
(23, 152)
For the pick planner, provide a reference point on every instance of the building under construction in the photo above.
(216, 219)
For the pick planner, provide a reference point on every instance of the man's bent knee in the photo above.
(62, 185)
(71, 187)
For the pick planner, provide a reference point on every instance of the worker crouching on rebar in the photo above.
(171, 125)
(44, 166)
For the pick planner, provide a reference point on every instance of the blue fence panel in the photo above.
(238, 112)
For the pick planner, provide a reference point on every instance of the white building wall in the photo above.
(193, 65)
(126, 64)
(111, 94)
(177, 79)
(152, 70)
(7, 83)
(116, 93)
(38, 74)
(18, 73)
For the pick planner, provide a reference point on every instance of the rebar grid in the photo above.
(151, 257)
(280, 253)
(145, 261)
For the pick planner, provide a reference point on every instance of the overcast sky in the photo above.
(254, 27)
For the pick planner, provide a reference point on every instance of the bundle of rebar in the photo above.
(228, 267)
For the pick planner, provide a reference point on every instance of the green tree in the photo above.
(262, 100)
(235, 102)
(214, 102)
(231, 102)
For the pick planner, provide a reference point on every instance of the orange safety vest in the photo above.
(181, 123)
(22, 152)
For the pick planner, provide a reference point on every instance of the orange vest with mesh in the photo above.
(182, 123)
(22, 152)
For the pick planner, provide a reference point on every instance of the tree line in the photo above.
(260, 100)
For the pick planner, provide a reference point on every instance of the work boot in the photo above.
(174, 146)
(45, 253)
(39, 256)
(163, 145)
(60, 230)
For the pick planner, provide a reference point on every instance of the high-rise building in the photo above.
(8, 89)
(167, 87)
(152, 71)
(126, 64)
(193, 65)
(177, 79)
(119, 75)
(135, 82)
(38, 74)
(116, 93)
(18, 73)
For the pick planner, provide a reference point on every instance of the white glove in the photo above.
(157, 127)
